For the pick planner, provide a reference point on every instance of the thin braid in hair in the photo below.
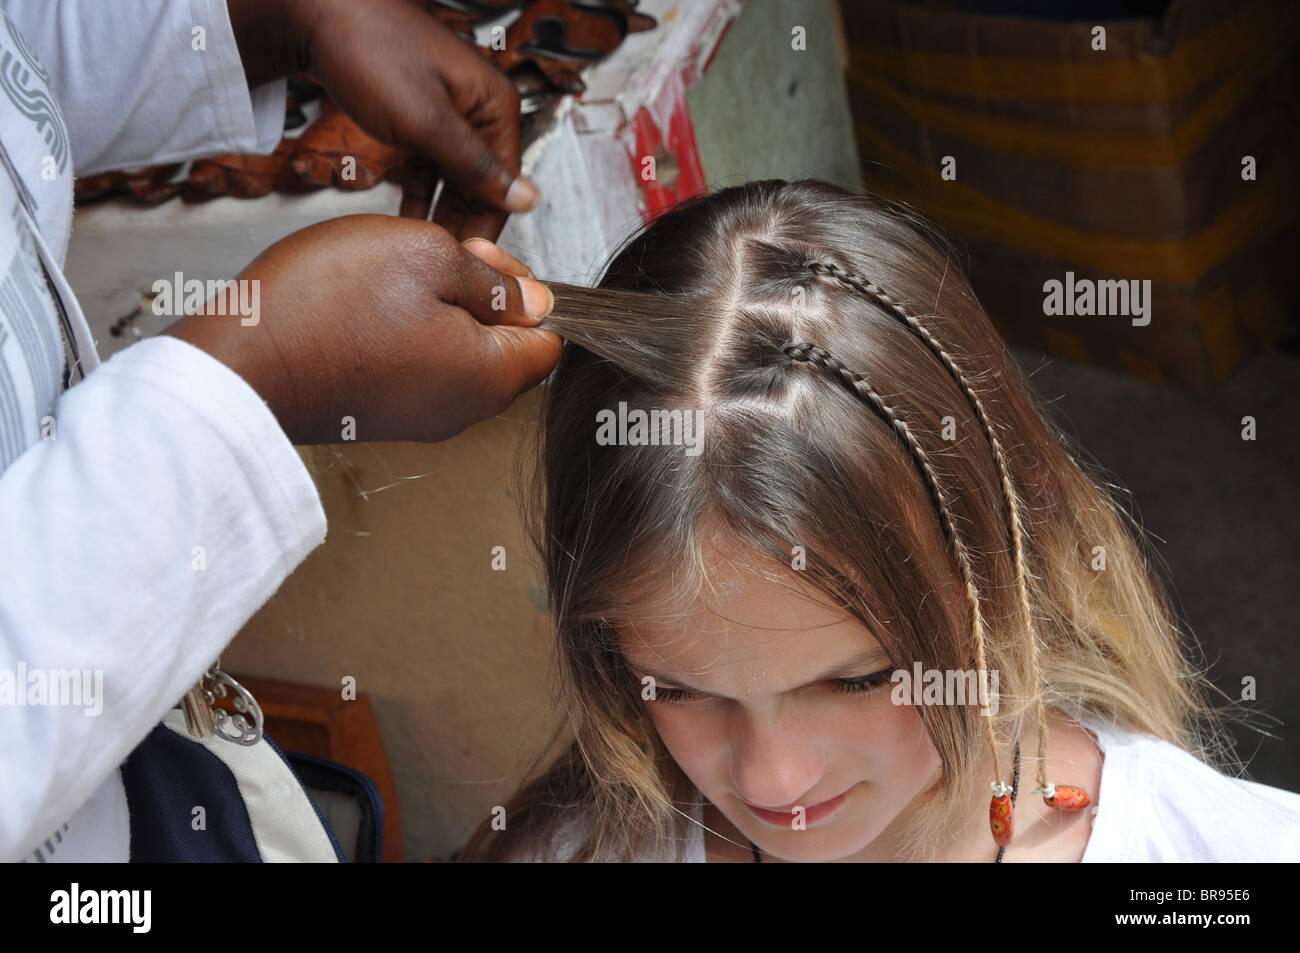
(858, 385)
(878, 295)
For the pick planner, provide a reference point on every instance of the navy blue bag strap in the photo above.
(166, 778)
(213, 801)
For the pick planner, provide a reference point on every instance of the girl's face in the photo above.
(778, 708)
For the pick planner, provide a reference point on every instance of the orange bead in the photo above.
(1002, 819)
(1068, 798)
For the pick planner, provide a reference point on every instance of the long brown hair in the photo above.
(857, 403)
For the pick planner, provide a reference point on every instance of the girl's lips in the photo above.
(811, 814)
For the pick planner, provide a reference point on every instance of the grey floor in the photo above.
(1222, 513)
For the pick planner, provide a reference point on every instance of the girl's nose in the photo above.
(776, 757)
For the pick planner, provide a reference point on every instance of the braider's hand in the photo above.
(389, 321)
(411, 82)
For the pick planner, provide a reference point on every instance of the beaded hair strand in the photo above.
(860, 387)
(1066, 797)
(892, 307)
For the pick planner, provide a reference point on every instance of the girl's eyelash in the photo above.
(674, 696)
(860, 685)
(863, 683)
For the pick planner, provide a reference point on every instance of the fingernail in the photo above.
(522, 195)
(538, 299)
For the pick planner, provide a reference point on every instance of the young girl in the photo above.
(828, 587)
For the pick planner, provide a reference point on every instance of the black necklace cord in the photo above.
(1015, 788)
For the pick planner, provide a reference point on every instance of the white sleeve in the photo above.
(133, 90)
(136, 544)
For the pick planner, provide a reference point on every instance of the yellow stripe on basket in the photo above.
(1268, 205)
(1154, 80)
(1076, 147)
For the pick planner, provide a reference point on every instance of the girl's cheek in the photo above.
(898, 734)
(874, 730)
(689, 733)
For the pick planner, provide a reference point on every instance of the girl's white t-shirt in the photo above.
(1157, 804)
(1160, 804)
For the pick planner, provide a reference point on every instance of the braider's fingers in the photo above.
(468, 219)
(497, 257)
(517, 359)
(419, 182)
(472, 133)
(467, 281)
(486, 223)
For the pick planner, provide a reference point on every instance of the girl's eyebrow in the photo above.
(846, 667)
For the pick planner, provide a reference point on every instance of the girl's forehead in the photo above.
(742, 621)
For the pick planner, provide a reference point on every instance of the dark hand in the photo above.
(408, 81)
(389, 321)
